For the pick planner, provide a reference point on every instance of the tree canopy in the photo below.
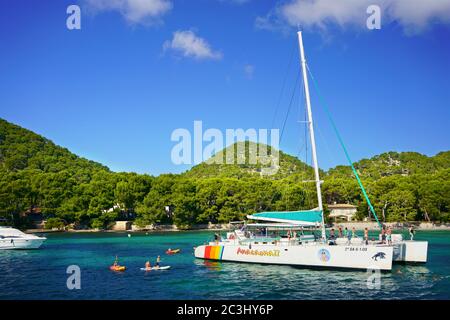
(38, 176)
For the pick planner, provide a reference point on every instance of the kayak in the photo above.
(155, 268)
(173, 251)
(117, 268)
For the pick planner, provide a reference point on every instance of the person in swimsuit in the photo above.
(366, 235)
(158, 260)
(389, 235)
(332, 237)
(349, 235)
(383, 235)
(411, 233)
(148, 266)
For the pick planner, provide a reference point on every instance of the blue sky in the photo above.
(115, 90)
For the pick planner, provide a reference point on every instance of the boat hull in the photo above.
(317, 255)
(9, 244)
(411, 251)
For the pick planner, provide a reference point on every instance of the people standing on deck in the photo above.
(332, 237)
(411, 233)
(354, 233)
(349, 235)
(366, 235)
(383, 235)
(389, 235)
(340, 232)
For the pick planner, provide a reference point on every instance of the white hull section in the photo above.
(411, 251)
(308, 255)
(9, 244)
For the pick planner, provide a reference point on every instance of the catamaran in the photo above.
(262, 242)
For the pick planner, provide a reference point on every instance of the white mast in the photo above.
(311, 129)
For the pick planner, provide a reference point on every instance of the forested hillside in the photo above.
(38, 176)
(258, 161)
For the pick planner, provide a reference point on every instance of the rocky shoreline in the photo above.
(428, 226)
(394, 225)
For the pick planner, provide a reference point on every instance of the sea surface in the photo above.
(41, 274)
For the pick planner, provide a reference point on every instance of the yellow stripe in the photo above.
(214, 252)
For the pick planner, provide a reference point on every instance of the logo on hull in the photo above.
(324, 255)
(379, 255)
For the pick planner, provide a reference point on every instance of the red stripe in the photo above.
(207, 252)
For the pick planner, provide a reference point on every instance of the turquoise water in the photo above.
(41, 274)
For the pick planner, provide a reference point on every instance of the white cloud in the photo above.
(412, 15)
(134, 11)
(190, 45)
(249, 70)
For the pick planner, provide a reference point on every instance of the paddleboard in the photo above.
(156, 269)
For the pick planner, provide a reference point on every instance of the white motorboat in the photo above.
(11, 238)
(268, 245)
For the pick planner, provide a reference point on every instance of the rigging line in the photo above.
(327, 111)
(289, 108)
(305, 174)
(283, 86)
(300, 105)
(305, 138)
(330, 158)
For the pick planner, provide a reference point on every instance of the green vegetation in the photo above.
(37, 175)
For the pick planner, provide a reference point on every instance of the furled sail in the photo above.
(304, 217)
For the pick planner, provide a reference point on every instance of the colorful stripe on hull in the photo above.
(213, 252)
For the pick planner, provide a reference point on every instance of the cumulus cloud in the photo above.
(188, 44)
(134, 11)
(412, 15)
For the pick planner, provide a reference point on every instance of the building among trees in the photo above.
(342, 211)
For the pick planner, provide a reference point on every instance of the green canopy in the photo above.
(306, 217)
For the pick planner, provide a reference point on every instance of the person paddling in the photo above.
(158, 261)
(148, 266)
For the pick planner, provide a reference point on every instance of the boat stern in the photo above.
(411, 251)
(210, 252)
